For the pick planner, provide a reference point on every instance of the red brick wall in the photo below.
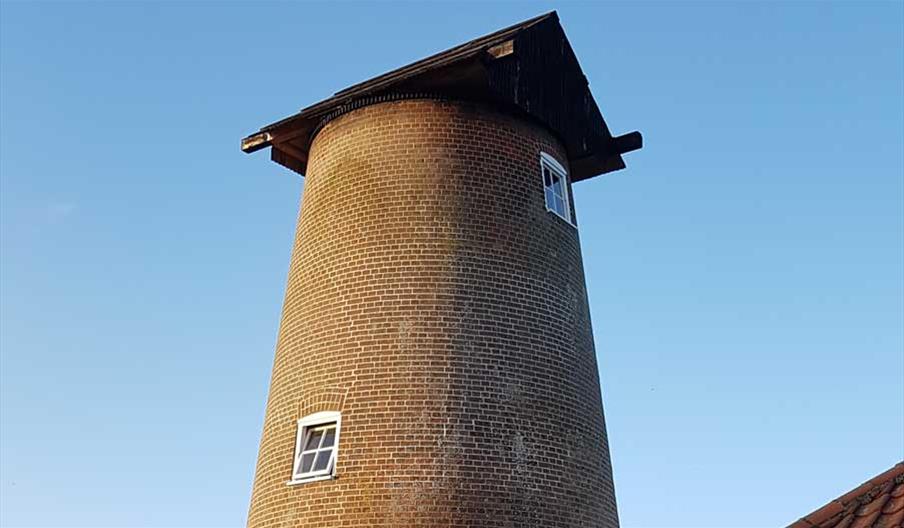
(437, 304)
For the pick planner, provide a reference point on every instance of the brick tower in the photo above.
(435, 364)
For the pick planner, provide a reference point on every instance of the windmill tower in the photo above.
(435, 363)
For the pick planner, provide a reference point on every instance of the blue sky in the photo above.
(745, 272)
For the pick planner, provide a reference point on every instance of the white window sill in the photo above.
(307, 480)
(557, 215)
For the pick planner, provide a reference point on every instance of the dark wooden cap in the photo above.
(528, 69)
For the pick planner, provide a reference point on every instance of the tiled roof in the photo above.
(877, 503)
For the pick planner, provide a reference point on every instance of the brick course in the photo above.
(435, 302)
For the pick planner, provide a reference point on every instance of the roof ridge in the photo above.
(469, 45)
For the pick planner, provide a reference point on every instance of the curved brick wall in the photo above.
(437, 304)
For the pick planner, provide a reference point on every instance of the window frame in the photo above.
(304, 427)
(547, 162)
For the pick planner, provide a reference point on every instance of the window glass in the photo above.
(555, 187)
(329, 437)
(313, 440)
(323, 459)
(306, 461)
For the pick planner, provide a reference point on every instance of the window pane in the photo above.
(550, 198)
(546, 180)
(329, 437)
(558, 184)
(560, 207)
(306, 461)
(313, 440)
(323, 459)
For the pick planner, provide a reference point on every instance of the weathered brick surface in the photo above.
(437, 304)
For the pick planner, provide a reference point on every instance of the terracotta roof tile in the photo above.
(891, 521)
(894, 504)
(865, 521)
(845, 522)
(877, 503)
(898, 491)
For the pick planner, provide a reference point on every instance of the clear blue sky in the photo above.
(745, 272)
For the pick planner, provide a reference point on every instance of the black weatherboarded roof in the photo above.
(528, 69)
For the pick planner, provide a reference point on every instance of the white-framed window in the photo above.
(316, 447)
(555, 187)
